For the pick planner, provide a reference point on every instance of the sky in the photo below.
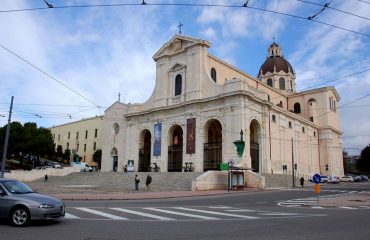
(66, 63)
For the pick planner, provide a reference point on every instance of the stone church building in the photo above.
(201, 105)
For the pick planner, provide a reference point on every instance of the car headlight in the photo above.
(45, 205)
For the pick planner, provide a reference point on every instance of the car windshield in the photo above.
(16, 187)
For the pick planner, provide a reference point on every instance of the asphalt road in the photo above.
(254, 215)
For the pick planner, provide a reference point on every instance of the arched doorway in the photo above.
(175, 149)
(213, 145)
(114, 155)
(145, 151)
(254, 129)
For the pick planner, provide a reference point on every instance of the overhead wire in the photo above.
(48, 75)
(332, 8)
(187, 5)
(336, 79)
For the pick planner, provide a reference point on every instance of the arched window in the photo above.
(282, 83)
(297, 108)
(178, 84)
(269, 82)
(214, 74)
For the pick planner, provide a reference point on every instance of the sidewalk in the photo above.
(142, 195)
(353, 200)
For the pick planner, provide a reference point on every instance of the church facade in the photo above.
(201, 105)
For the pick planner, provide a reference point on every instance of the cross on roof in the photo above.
(179, 26)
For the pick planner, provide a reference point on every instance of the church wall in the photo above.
(113, 139)
(235, 103)
(305, 147)
(331, 153)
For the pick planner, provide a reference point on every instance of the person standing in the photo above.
(148, 182)
(137, 180)
(302, 181)
(46, 178)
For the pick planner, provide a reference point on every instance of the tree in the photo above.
(59, 153)
(363, 164)
(67, 155)
(28, 139)
(97, 157)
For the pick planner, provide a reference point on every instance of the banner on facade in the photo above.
(130, 166)
(190, 136)
(157, 139)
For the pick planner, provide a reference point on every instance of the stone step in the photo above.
(114, 182)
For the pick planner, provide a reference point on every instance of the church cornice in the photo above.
(179, 43)
(316, 90)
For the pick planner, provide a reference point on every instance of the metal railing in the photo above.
(175, 158)
(212, 156)
(144, 160)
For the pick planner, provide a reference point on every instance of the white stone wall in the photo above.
(235, 102)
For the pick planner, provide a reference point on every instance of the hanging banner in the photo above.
(157, 139)
(190, 136)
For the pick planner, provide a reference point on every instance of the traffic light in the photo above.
(326, 167)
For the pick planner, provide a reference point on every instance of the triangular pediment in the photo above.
(177, 66)
(178, 43)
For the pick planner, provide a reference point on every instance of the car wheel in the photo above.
(325, 181)
(20, 216)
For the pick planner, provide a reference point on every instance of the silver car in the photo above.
(20, 204)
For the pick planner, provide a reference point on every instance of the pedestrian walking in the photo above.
(302, 181)
(46, 178)
(137, 180)
(148, 182)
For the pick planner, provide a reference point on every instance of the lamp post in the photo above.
(6, 140)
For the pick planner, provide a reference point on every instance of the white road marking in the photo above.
(216, 213)
(143, 214)
(365, 207)
(278, 214)
(182, 214)
(344, 207)
(70, 216)
(317, 207)
(240, 210)
(220, 207)
(103, 214)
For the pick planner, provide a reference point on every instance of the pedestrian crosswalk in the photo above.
(312, 201)
(174, 213)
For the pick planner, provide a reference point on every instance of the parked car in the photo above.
(56, 165)
(334, 179)
(325, 179)
(84, 167)
(357, 178)
(347, 179)
(19, 204)
(364, 178)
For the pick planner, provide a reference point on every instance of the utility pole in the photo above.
(293, 164)
(6, 140)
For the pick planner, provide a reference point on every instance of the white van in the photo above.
(84, 167)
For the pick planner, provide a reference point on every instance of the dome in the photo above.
(275, 63)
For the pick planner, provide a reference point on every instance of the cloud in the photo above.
(328, 53)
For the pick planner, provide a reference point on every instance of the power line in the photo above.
(336, 79)
(335, 9)
(363, 1)
(186, 5)
(48, 75)
(323, 9)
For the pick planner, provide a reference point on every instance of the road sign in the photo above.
(316, 178)
(317, 188)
